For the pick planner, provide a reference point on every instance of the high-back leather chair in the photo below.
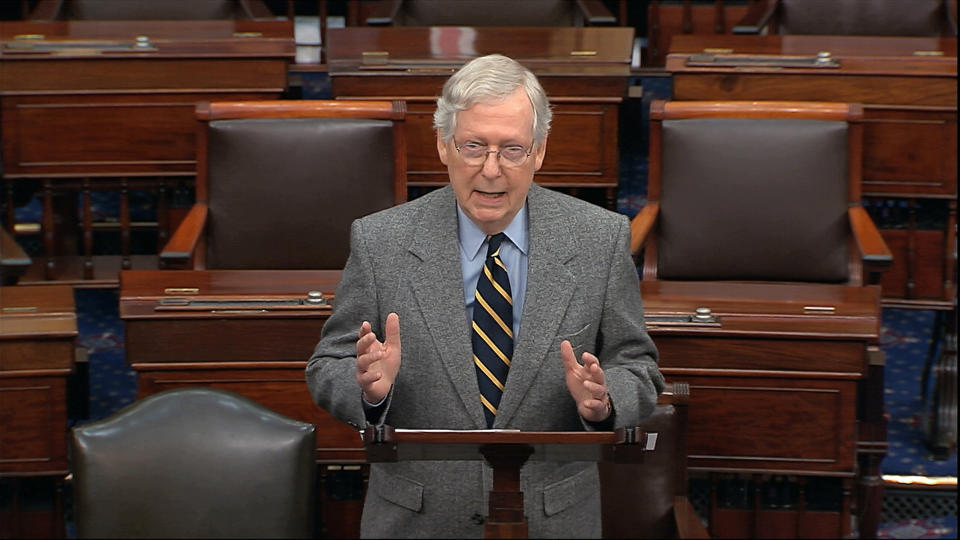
(194, 463)
(118, 10)
(482, 13)
(922, 18)
(649, 499)
(280, 182)
(757, 191)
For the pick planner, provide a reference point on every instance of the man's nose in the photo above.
(491, 163)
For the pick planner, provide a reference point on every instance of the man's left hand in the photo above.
(586, 384)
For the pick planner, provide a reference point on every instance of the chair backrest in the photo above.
(754, 191)
(194, 462)
(116, 10)
(285, 179)
(865, 17)
(638, 498)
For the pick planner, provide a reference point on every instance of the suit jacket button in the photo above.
(477, 518)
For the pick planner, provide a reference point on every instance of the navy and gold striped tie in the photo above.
(492, 329)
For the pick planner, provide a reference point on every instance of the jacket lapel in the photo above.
(438, 287)
(550, 286)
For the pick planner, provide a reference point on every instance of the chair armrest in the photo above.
(595, 13)
(383, 13)
(641, 224)
(14, 261)
(874, 253)
(687, 521)
(182, 245)
(873, 249)
(757, 17)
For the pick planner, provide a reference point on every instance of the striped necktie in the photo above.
(492, 329)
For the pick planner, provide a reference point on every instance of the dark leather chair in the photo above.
(280, 182)
(764, 192)
(481, 13)
(649, 499)
(757, 191)
(121, 10)
(927, 18)
(14, 261)
(194, 463)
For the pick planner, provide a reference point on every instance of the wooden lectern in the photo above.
(506, 451)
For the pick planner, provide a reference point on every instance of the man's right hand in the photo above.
(378, 362)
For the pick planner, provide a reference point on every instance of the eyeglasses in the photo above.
(475, 154)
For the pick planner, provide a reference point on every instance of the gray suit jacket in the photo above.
(582, 286)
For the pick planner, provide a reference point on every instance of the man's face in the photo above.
(493, 192)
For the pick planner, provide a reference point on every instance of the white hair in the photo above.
(488, 79)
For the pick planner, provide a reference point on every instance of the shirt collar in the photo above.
(472, 238)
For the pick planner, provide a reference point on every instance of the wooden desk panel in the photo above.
(259, 353)
(84, 99)
(584, 71)
(773, 386)
(38, 330)
(777, 389)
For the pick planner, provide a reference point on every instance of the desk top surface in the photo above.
(598, 50)
(37, 311)
(762, 309)
(906, 56)
(24, 40)
(142, 292)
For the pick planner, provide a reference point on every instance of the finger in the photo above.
(367, 359)
(364, 329)
(368, 377)
(392, 331)
(569, 359)
(596, 390)
(592, 365)
(366, 343)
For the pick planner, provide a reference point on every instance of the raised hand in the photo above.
(586, 384)
(378, 362)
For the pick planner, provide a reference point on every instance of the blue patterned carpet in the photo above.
(905, 338)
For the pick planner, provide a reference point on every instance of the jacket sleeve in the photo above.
(331, 370)
(626, 352)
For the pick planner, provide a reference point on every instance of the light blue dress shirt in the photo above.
(473, 252)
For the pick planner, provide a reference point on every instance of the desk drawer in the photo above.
(748, 423)
(250, 339)
(33, 424)
(756, 353)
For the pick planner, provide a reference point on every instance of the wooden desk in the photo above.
(87, 107)
(257, 351)
(584, 71)
(910, 129)
(775, 389)
(252, 349)
(38, 330)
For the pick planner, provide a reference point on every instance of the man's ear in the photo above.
(540, 154)
(443, 148)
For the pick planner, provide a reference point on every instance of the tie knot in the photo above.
(494, 244)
